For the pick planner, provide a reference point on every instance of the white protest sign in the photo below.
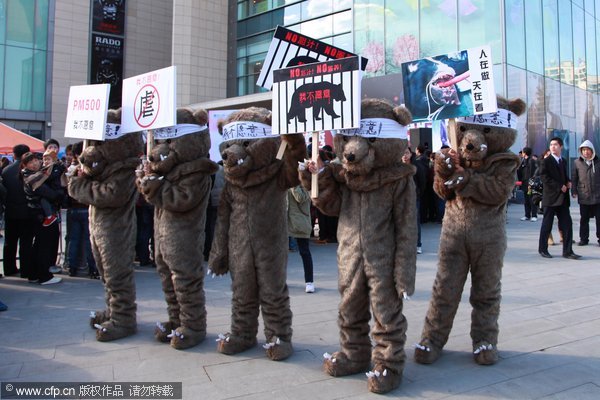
(149, 100)
(213, 127)
(86, 111)
(450, 85)
(317, 97)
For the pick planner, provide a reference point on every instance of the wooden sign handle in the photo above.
(452, 134)
(86, 143)
(149, 142)
(281, 150)
(314, 191)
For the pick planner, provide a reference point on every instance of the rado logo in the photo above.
(108, 41)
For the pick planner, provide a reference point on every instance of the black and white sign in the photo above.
(317, 97)
(289, 48)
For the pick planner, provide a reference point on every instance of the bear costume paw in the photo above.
(108, 331)
(229, 344)
(162, 330)
(98, 317)
(426, 352)
(338, 364)
(383, 380)
(485, 353)
(183, 338)
(278, 349)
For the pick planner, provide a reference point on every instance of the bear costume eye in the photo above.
(486, 130)
(462, 129)
(372, 140)
(227, 145)
(246, 143)
(345, 138)
(168, 141)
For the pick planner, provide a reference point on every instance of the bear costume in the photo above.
(251, 238)
(374, 195)
(476, 182)
(106, 181)
(177, 182)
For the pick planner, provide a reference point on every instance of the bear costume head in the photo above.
(247, 146)
(98, 155)
(477, 141)
(380, 142)
(187, 142)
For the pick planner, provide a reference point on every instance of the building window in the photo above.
(23, 45)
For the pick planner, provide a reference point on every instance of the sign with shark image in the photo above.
(450, 85)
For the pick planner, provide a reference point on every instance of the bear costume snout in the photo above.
(92, 161)
(162, 158)
(358, 156)
(473, 146)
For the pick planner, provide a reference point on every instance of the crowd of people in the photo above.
(547, 188)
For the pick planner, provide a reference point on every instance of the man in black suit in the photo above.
(555, 200)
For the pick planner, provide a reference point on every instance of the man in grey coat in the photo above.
(586, 188)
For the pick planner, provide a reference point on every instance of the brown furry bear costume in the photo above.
(373, 193)
(177, 182)
(251, 232)
(106, 181)
(476, 182)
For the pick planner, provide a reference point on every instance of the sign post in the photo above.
(86, 111)
(149, 101)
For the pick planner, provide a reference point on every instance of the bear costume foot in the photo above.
(426, 352)
(98, 318)
(163, 330)
(229, 344)
(485, 353)
(338, 364)
(108, 331)
(383, 380)
(278, 349)
(183, 338)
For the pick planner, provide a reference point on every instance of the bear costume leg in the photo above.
(244, 310)
(353, 320)
(388, 332)
(486, 275)
(275, 301)
(163, 330)
(120, 292)
(189, 289)
(449, 282)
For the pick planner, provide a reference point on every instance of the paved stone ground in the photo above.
(549, 339)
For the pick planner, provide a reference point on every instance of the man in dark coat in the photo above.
(586, 187)
(555, 200)
(19, 224)
(526, 171)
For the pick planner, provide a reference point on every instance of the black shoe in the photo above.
(583, 243)
(72, 272)
(572, 256)
(94, 275)
(545, 254)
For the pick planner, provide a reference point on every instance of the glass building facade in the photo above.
(23, 61)
(544, 51)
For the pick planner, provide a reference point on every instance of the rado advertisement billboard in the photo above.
(108, 46)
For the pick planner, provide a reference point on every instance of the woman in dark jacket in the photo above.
(43, 235)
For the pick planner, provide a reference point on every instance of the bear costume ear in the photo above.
(113, 116)
(185, 115)
(403, 115)
(201, 116)
(517, 106)
(220, 125)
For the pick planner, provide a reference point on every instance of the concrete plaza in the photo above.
(549, 333)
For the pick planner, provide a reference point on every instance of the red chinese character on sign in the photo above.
(302, 41)
(318, 94)
(302, 97)
(326, 94)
